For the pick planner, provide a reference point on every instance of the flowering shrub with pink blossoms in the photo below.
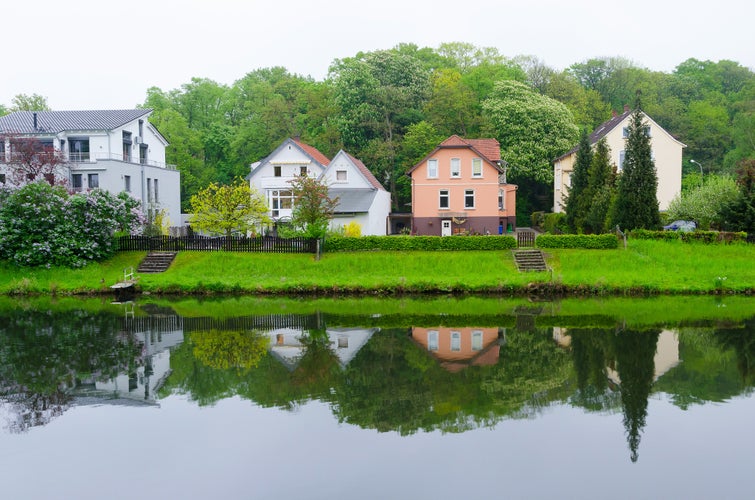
(44, 225)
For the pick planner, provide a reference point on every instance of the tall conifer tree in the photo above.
(637, 200)
(576, 205)
(600, 189)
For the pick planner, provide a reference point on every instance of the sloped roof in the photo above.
(313, 152)
(352, 200)
(53, 122)
(366, 173)
(488, 149)
(600, 131)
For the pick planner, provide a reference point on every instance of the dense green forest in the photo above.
(391, 107)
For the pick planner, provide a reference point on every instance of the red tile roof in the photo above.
(367, 174)
(313, 152)
(489, 149)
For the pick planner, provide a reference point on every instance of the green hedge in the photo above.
(690, 236)
(344, 244)
(590, 241)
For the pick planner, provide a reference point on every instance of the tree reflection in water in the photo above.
(384, 376)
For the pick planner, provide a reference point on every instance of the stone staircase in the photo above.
(156, 262)
(530, 260)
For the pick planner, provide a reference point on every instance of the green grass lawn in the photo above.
(650, 266)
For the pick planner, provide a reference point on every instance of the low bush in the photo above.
(584, 241)
(417, 243)
(689, 237)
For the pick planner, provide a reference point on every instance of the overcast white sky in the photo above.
(94, 54)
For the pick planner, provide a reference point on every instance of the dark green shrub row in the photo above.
(591, 241)
(689, 237)
(343, 244)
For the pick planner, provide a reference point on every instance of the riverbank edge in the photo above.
(545, 290)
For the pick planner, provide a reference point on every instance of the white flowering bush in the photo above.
(43, 225)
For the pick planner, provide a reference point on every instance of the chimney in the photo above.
(626, 108)
(614, 114)
(35, 120)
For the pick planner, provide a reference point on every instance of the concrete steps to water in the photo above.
(530, 260)
(156, 262)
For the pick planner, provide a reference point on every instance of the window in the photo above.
(93, 180)
(476, 340)
(78, 149)
(455, 167)
(280, 200)
(469, 198)
(456, 341)
(501, 199)
(303, 171)
(443, 199)
(622, 155)
(343, 342)
(157, 199)
(149, 190)
(432, 340)
(432, 169)
(341, 176)
(625, 131)
(76, 182)
(143, 149)
(276, 171)
(127, 183)
(127, 146)
(476, 167)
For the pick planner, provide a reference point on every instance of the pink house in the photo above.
(461, 188)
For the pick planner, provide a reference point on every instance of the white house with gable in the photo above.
(114, 150)
(361, 198)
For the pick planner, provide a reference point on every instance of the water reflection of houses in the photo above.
(287, 332)
(666, 353)
(458, 348)
(156, 334)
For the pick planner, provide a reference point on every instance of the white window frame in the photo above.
(455, 341)
(467, 194)
(477, 340)
(455, 167)
(432, 340)
(93, 181)
(432, 168)
(477, 168)
(501, 200)
(345, 175)
(127, 183)
(444, 193)
(622, 157)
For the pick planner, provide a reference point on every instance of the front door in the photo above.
(445, 228)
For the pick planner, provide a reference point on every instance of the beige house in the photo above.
(666, 151)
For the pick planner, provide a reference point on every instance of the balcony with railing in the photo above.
(82, 158)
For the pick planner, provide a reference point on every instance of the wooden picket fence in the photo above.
(267, 244)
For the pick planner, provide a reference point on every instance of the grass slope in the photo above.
(645, 266)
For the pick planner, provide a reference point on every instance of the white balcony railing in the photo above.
(94, 158)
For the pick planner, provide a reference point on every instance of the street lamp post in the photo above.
(701, 169)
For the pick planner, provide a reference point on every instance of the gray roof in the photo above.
(353, 200)
(53, 122)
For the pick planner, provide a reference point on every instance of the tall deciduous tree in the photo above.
(33, 160)
(637, 197)
(34, 102)
(532, 129)
(219, 209)
(577, 203)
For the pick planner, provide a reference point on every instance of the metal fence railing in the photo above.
(268, 244)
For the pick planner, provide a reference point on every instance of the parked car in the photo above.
(681, 225)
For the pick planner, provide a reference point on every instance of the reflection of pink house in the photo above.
(461, 188)
(457, 348)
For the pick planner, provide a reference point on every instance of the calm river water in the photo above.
(377, 398)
